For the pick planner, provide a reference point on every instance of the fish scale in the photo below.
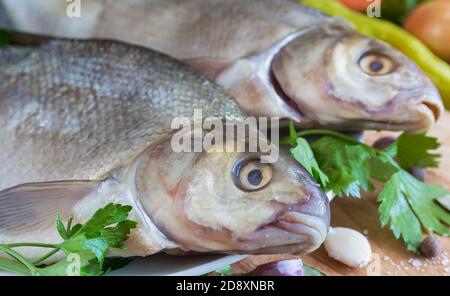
(87, 101)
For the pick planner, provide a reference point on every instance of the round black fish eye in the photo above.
(250, 174)
(255, 177)
(376, 64)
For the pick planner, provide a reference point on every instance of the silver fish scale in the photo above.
(79, 109)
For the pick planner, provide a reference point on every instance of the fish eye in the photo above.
(251, 174)
(376, 64)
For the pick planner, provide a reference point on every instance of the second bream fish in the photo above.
(276, 57)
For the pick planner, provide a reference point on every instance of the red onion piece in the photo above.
(290, 267)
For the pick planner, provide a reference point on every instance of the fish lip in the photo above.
(311, 226)
(427, 116)
(436, 109)
(301, 228)
(427, 107)
(426, 113)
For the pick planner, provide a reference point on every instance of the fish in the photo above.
(277, 58)
(88, 123)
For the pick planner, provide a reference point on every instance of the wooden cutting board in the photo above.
(389, 255)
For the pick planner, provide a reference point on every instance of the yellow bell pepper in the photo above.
(434, 67)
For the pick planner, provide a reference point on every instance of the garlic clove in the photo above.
(348, 246)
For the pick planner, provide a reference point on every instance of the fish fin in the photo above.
(211, 67)
(34, 206)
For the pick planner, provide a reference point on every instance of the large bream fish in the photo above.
(86, 123)
(276, 57)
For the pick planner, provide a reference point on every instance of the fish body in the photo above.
(87, 123)
(275, 57)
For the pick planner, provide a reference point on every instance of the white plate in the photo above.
(162, 264)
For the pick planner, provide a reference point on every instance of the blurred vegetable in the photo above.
(358, 5)
(290, 267)
(226, 270)
(419, 172)
(430, 23)
(384, 142)
(437, 69)
(311, 271)
(430, 247)
(397, 10)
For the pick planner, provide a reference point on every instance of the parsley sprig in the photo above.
(84, 245)
(346, 167)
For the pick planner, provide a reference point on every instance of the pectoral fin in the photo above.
(34, 206)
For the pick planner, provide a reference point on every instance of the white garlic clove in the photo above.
(348, 246)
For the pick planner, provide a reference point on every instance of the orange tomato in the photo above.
(430, 22)
(358, 5)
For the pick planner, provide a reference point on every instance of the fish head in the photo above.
(233, 202)
(258, 207)
(343, 80)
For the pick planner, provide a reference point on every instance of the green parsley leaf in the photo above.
(115, 263)
(71, 266)
(311, 271)
(304, 155)
(111, 214)
(226, 270)
(382, 167)
(292, 134)
(348, 166)
(85, 245)
(96, 237)
(89, 266)
(406, 203)
(414, 150)
(61, 228)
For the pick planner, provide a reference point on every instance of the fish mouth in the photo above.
(422, 116)
(435, 109)
(292, 232)
(428, 113)
(425, 109)
(312, 227)
(297, 229)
